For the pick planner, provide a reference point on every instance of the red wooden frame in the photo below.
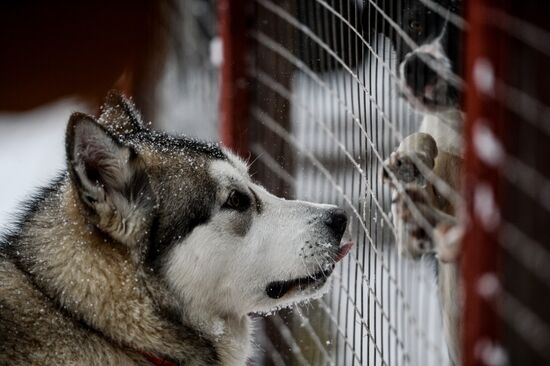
(234, 98)
(480, 247)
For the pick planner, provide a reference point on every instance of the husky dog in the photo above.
(424, 218)
(153, 249)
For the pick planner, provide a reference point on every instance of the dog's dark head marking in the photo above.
(420, 23)
(125, 171)
(426, 70)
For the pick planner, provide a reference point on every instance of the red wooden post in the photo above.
(480, 253)
(234, 98)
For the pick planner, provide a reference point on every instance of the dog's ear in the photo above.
(110, 180)
(119, 115)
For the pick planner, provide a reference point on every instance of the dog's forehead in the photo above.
(177, 151)
(236, 162)
(231, 170)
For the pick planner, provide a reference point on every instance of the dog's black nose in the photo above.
(337, 221)
(419, 73)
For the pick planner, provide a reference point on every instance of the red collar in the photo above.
(158, 361)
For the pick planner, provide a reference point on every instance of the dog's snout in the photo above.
(337, 221)
(419, 73)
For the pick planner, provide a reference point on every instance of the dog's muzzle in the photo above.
(278, 289)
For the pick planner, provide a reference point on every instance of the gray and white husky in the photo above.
(153, 249)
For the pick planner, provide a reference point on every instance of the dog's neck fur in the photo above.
(230, 332)
(446, 129)
(87, 271)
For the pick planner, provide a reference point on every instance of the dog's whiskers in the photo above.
(320, 267)
(253, 161)
(307, 270)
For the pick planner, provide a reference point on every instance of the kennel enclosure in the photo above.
(310, 96)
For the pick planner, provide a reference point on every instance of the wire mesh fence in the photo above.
(326, 113)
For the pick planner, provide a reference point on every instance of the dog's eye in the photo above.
(237, 201)
(416, 26)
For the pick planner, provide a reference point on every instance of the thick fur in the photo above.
(425, 220)
(142, 248)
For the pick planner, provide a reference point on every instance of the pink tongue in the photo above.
(344, 250)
